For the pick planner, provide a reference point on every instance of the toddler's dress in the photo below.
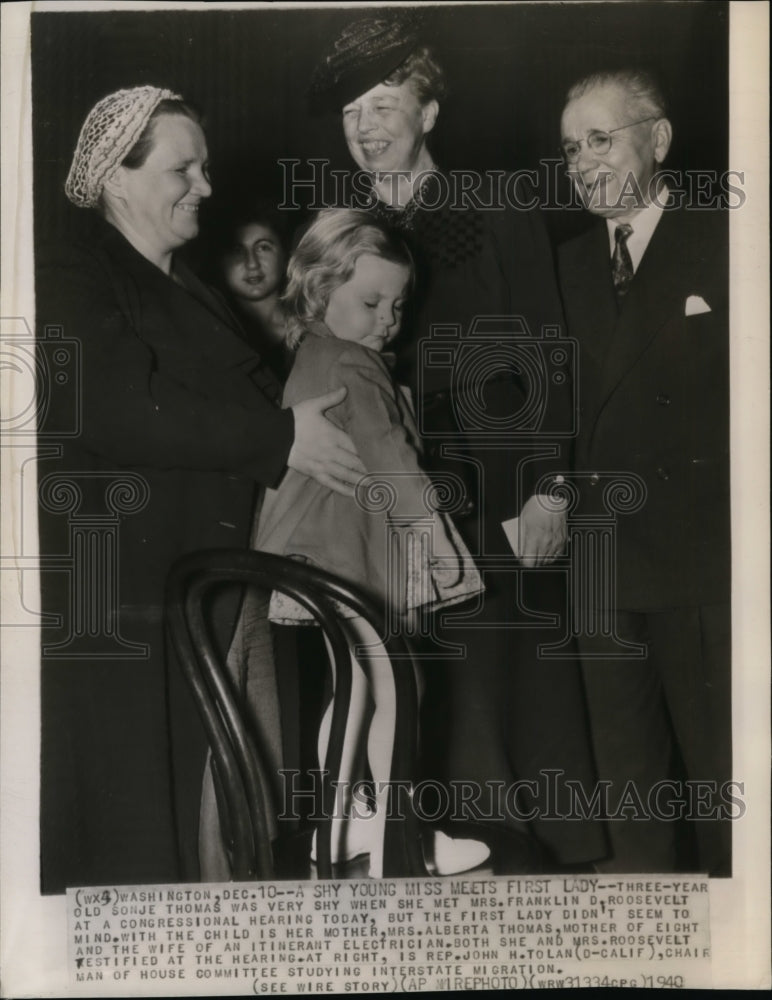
(380, 541)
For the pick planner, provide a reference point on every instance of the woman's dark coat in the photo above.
(162, 429)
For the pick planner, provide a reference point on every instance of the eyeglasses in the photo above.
(598, 142)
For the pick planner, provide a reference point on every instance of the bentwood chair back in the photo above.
(240, 769)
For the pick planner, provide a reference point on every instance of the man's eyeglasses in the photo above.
(598, 142)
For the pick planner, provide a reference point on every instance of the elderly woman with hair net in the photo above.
(170, 391)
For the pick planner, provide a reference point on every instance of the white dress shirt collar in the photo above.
(644, 224)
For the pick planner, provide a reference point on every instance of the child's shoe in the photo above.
(445, 855)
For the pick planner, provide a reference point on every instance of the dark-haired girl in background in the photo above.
(248, 260)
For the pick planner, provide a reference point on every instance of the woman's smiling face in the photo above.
(386, 128)
(159, 200)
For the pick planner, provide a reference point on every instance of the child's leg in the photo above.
(351, 758)
(374, 660)
(366, 833)
(444, 855)
(348, 838)
(355, 830)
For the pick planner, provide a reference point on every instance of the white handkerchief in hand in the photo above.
(695, 305)
(512, 531)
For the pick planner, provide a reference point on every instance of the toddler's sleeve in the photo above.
(373, 421)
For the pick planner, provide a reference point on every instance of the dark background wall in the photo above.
(508, 69)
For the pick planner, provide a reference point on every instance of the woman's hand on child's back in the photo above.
(321, 450)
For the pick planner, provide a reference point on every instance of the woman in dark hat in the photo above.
(499, 714)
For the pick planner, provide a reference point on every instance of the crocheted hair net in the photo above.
(365, 52)
(109, 132)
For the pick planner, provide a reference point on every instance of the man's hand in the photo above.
(321, 450)
(542, 530)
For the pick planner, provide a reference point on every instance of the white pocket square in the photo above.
(695, 305)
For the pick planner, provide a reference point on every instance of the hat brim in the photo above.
(371, 59)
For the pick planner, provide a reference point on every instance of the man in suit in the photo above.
(645, 293)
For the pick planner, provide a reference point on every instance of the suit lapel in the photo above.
(591, 312)
(656, 294)
(591, 294)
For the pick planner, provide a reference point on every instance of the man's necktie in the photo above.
(621, 262)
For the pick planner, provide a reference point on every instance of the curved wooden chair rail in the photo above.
(235, 754)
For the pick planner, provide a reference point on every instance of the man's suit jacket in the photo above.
(654, 400)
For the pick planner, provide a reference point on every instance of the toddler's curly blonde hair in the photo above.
(325, 258)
